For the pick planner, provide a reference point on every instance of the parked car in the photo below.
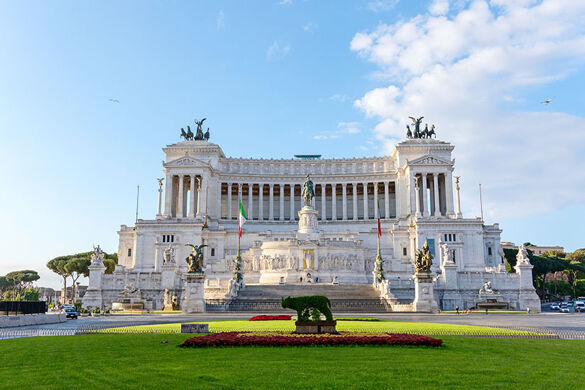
(555, 306)
(71, 313)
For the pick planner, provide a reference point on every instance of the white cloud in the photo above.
(285, 2)
(337, 97)
(460, 72)
(343, 128)
(439, 7)
(220, 20)
(277, 51)
(381, 5)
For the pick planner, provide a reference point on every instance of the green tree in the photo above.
(4, 284)
(20, 280)
(77, 266)
(57, 265)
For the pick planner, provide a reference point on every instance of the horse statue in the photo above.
(206, 135)
(199, 131)
(308, 192)
(408, 132)
(432, 132)
(184, 135)
(425, 132)
(195, 259)
(189, 133)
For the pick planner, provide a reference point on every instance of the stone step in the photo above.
(344, 298)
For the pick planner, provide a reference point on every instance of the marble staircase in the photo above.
(344, 298)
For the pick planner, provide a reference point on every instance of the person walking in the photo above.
(457, 309)
(528, 310)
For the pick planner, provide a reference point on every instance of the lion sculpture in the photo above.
(304, 306)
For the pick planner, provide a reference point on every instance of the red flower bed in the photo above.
(270, 318)
(231, 339)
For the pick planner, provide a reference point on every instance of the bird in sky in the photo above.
(547, 101)
(114, 100)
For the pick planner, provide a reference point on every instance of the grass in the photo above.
(141, 362)
(424, 328)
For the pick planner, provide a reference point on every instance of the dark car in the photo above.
(70, 313)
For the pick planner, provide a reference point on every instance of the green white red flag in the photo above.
(241, 219)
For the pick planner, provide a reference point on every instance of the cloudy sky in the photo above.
(277, 78)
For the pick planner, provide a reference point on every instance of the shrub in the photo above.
(232, 339)
(271, 318)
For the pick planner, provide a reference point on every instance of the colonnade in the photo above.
(185, 196)
(432, 194)
(334, 201)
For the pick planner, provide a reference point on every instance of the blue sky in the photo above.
(277, 78)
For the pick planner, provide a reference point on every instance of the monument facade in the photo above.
(324, 231)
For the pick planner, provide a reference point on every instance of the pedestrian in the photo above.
(528, 310)
(486, 311)
(457, 309)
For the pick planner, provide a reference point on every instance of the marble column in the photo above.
(354, 201)
(344, 195)
(168, 195)
(417, 197)
(292, 203)
(281, 203)
(202, 195)
(250, 212)
(181, 197)
(229, 201)
(240, 199)
(386, 200)
(449, 193)
(261, 201)
(219, 200)
(397, 199)
(333, 202)
(436, 193)
(323, 201)
(413, 192)
(425, 196)
(366, 212)
(376, 211)
(191, 212)
(271, 202)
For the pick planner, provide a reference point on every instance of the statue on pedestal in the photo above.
(97, 257)
(308, 191)
(486, 289)
(522, 255)
(169, 255)
(195, 259)
(423, 259)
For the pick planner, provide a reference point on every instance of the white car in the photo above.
(555, 306)
(565, 309)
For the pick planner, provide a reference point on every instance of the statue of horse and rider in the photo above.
(418, 133)
(199, 135)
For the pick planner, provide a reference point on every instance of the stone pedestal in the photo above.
(316, 327)
(93, 295)
(424, 299)
(527, 297)
(193, 294)
(308, 225)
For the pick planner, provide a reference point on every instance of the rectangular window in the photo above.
(129, 252)
(489, 250)
(164, 238)
(212, 252)
(404, 252)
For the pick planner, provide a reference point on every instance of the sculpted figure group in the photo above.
(423, 259)
(418, 133)
(199, 135)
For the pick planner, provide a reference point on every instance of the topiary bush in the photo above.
(305, 305)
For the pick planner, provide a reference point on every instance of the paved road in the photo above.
(554, 321)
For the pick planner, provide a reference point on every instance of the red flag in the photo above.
(379, 223)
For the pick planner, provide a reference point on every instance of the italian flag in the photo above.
(379, 223)
(241, 219)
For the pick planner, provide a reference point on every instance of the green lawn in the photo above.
(357, 326)
(142, 362)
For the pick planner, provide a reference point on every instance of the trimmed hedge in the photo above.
(241, 339)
